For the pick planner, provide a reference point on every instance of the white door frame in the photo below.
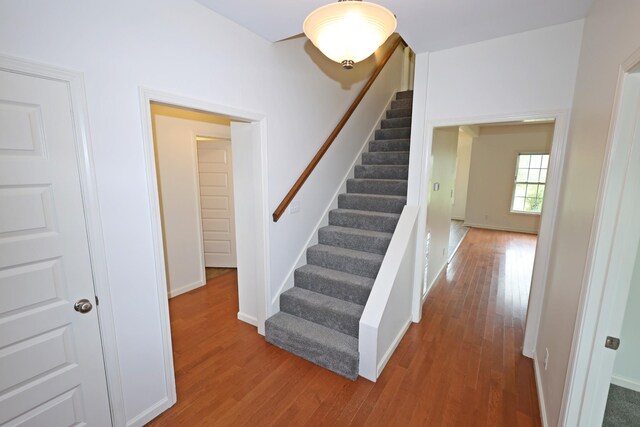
(263, 290)
(547, 220)
(600, 312)
(75, 83)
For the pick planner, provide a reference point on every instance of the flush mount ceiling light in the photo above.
(350, 30)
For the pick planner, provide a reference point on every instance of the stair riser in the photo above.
(401, 103)
(342, 364)
(351, 265)
(407, 94)
(371, 203)
(378, 186)
(346, 291)
(385, 158)
(402, 122)
(399, 133)
(355, 220)
(381, 172)
(325, 316)
(372, 244)
(399, 112)
(389, 145)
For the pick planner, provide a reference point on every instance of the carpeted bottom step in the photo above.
(323, 346)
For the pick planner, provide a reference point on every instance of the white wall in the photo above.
(611, 35)
(626, 372)
(493, 165)
(463, 164)
(177, 168)
(517, 75)
(443, 161)
(183, 48)
(525, 72)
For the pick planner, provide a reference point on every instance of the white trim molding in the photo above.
(90, 199)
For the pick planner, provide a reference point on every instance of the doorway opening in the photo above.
(194, 164)
(245, 133)
(487, 176)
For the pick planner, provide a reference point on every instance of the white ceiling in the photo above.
(427, 25)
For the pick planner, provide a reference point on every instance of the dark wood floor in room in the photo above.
(461, 366)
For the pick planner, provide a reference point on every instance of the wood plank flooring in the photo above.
(461, 366)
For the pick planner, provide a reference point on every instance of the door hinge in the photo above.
(97, 301)
(612, 342)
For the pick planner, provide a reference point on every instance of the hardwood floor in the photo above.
(461, 366)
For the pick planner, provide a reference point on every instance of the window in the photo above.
(530, 182)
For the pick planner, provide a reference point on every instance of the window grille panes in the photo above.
(530, 182)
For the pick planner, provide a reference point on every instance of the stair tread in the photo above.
(365, 213)
(404, 94)
(380, 180)
(390, 152)
(318, 344)
(375, 196)
(338, 276)
(327, 302)
(347, 253)
(356, 231)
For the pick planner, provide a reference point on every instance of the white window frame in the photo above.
(515, 182)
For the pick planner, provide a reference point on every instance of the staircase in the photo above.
(319, 317)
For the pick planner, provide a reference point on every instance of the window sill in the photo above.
(525, 213)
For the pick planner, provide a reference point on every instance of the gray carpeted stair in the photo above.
(392, 187)
(382, 171)
(319, 317)
(372, 202)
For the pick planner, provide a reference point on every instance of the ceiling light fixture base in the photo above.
(347, 64)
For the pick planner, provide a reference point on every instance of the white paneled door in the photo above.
(216, 201)
(51, 364)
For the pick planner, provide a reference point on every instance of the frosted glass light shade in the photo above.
(349, 31)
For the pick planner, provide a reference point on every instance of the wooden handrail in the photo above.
(321, 152)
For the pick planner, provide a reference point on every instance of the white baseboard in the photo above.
(149, 414)
(248, 319)
(629, 383)
(394, 345)
(543, 408)
(500, 228)
(186, 288)
(443, 269)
